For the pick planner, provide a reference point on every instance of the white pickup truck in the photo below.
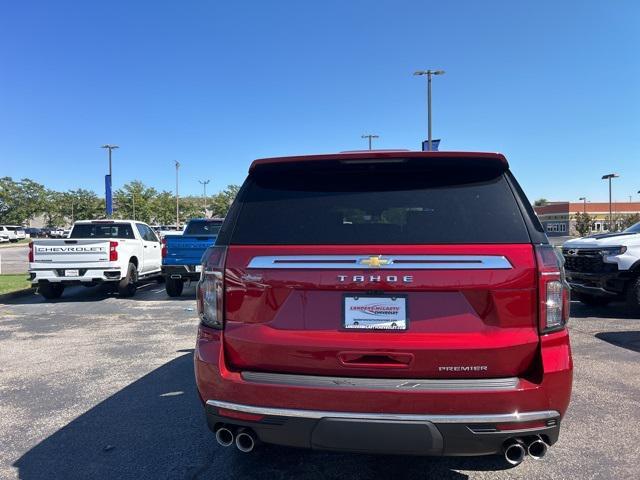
(604, 268)
(119, 252)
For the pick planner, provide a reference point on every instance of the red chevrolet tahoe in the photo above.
(384, 302)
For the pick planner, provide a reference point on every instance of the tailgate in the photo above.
(70, 251)
(186, 249)
(470, 310)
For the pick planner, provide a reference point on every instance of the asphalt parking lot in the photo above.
(94, 386)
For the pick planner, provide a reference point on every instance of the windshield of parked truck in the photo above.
(207, 227)
(633, 228)
(102, 230)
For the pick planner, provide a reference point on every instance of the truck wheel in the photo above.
(174, 287)
(591, 300)
(633, 295)
(127, 286)
(51, 291)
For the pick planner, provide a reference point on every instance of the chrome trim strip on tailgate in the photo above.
(317, 414)
(388, 262)
(462, 384)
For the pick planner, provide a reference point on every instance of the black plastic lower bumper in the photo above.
(384, 436)
(181, 272)
(598, 284)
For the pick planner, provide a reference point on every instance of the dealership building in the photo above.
(558, 218)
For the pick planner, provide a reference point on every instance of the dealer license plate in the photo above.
(375, 313)
(71, 273)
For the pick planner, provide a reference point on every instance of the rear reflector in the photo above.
(249, 417)
(520, 425)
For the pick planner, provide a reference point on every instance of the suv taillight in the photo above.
(30, 252)
(210, 290)
(553, 290)
(164, 247)
(113, 251)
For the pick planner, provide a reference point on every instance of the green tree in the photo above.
(54, 211)
(20, 200)
(541, 202)
(583, 223)
(164, 208)
(221, 202)
(83, 204)
(135, 201)
(627, 220)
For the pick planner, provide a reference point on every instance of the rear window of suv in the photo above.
(378, 204)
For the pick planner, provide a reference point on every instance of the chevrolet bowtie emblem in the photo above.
(375, 262)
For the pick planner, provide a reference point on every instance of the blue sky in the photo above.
(553, 85)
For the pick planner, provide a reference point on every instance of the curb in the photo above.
(18, 293)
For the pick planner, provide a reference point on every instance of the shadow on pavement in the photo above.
(613, 311)
(626, 339)
(154, 429)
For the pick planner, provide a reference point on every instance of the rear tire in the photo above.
(51, 291)
(127, 286)
(591, 300)
(174, 287)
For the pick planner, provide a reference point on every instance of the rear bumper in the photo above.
(183, 272)
(403, 434)
(598, 284)
(450, 421)
(91, 275)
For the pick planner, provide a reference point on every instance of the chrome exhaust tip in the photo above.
(224, 437)
(245, 441)
(538, 449)
(515, 453)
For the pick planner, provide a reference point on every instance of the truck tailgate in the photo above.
(70, 251)
(186, 249)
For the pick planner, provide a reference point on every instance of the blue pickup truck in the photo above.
(181, 254)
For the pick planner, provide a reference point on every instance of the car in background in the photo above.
(15, 233)
(605, 267)
(56, 232)
(34, 232)
(384, 302)
(4, 238)
(114, 252)
(182, 254)
(165, 230)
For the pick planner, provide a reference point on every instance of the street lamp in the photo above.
(204, 194)
(177, 198)
(609, 176)
(429, 73)
(370, 136)
(584, 200)
(108, 194)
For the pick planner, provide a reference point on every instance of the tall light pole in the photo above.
(177, 198)
(429, 73)
(108, 183)
(584, 201)
(370, 137)
(204, 194)
(609, 176)
(133, 199)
